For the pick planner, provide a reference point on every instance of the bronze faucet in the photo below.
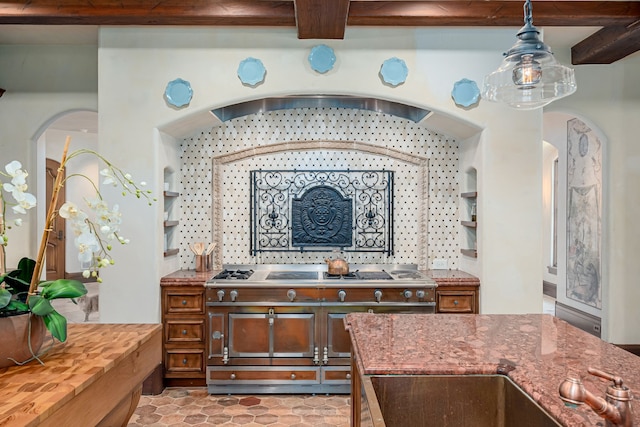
(616, 409)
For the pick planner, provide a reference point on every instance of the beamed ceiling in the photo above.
(327, 19)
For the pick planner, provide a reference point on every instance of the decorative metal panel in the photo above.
(320, 210)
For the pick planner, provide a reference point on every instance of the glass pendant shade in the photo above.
(529, 76)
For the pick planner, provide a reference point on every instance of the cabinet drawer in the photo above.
(260, 374)
(336, 374)
(183, 301)
(184, 361)
(181, 331)
(456, 301)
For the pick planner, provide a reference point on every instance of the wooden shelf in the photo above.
(170, 223)
(171, 194)
(469, 195)
(170, 252)
(470, 252)
(471, 224)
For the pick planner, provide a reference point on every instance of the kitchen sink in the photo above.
(450, 401)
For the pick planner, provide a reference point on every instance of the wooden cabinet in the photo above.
(183, 318)
(457, 299)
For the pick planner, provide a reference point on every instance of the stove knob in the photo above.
(220, 295)
(420, 294)
(377, 295)
(234, 295)
(291, 294)
(407, 293)
(342, 295)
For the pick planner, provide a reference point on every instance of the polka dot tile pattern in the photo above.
(439, 238)
(181, 407)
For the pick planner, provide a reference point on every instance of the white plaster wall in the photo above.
(42, 83)
(136, 64)
(612, 103)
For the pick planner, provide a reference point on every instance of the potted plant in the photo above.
(22, 293)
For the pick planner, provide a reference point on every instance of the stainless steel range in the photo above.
(279, 328)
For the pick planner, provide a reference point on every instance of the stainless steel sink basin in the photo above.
(450, 401)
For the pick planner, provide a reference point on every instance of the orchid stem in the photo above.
(48, 226)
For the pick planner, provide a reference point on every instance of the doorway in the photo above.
(55, 255)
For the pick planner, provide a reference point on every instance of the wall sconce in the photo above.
(529, 76)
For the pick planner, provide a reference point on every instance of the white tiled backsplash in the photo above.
(413, 243)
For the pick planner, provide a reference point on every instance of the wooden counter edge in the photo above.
(112, 398)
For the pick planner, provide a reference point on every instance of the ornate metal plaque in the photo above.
(321, 217)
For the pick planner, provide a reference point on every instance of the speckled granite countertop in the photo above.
(537, 351)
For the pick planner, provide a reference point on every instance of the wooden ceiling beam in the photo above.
(321, 19)
(149, 12)
(491, 13)
(608, 45)
(327, 19)
(283, 13)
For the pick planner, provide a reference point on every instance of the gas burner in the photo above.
(233, 275)
(339, 276)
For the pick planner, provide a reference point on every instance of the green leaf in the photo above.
(5, 297)
(40, 306)
(17, 305)
(26, 267)
(63, 288)
(57, 325)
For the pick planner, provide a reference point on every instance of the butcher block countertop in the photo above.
(537, 351)
(94, 377)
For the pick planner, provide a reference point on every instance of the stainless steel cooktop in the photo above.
(317, 273)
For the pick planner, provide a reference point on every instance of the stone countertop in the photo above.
(537, 351)
(187, 277)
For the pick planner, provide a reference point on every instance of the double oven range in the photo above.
(279, 328)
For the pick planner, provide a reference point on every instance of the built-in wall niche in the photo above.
(171, 214)
(469, 212)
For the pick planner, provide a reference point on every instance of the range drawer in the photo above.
(183, 301)
(336, 374)
(261, 374)
(456, 301)
(180, 361)
(184, 331)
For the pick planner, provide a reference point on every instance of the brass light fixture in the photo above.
(529, 76)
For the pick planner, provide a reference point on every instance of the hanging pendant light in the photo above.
(529, 76)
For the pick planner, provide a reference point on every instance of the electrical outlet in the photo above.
(440, 264)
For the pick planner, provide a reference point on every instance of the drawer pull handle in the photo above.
(184, 332)
(348, 376)
(455, 302)
(184, 302)
(233, 376)
(293, 376)
(184, 361)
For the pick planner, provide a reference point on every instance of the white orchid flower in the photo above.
(69, 210)
(18, 222)
(109, 177)
(87, 244)
(25, 201)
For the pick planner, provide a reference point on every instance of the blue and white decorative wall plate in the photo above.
(394, 71)
(321, 58)
(251, 71)
(465, 93)
(178, 93)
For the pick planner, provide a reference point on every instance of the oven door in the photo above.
(276, 332)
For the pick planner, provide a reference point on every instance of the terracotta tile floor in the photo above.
(183, 407)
